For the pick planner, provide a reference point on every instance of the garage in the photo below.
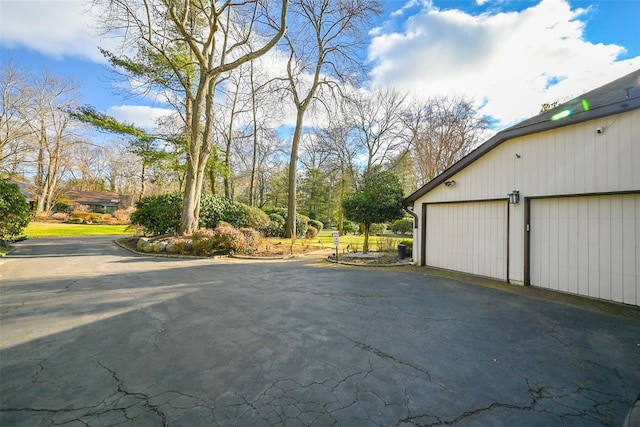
(469, 237)
(551, 202)
(587, 245)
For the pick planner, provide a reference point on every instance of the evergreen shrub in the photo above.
(378, 229)
(402, 226)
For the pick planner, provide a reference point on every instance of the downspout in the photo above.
(414, 251)
(413, 214)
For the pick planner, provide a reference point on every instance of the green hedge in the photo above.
(161, 214)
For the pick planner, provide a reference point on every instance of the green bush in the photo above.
(257, 219)
(14, 211)
(159, 214)
(302, 223)
(213, 209)
(237, 214)
(275, 227)
(350, 227)
(378, 229)
(402, 226)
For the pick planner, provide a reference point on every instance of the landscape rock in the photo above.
(142, 242)
(159, 247)
(172, 248)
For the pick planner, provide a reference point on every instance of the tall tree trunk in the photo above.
(143, 178)
(343, 191)
(254, 159)
(212, 180)
(229, 142)
(290, 230)
(199, 151)
(365, 245)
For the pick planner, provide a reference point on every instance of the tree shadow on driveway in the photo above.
(134, 340)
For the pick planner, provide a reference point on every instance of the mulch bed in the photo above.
(266, 250)
(279, 250)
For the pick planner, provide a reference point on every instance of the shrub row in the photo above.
(161, 214)
(91, 218)
(222, 240)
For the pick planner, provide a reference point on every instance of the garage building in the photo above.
(553, 201)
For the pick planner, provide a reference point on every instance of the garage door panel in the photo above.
(587, 246)
(469, 237)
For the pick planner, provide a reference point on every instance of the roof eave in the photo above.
(519, 131)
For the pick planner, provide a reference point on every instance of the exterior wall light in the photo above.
(514, 197)
(450, 183)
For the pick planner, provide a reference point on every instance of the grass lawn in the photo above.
(322, 240)
(53, 229)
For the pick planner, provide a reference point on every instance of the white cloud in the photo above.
(141, 116)
(56, 28)
(512, 62)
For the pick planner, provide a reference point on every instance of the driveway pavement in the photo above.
(94, 335)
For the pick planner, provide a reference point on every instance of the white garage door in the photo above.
(468, 237)
(587, 246)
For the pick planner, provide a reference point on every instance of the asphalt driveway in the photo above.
(93, 335)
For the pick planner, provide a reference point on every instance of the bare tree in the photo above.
(377, 121)
(52, 127)
(337, 139)
(322, 42)
(230, 126)
(443, 130)
(15, 144)
(194, 43)
(88, 164)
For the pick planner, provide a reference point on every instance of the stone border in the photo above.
(357, 264)
(246, 257)
(165, 255)
(265, 258)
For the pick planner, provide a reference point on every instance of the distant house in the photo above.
(28, 192)
(100, 201)
(553, 201)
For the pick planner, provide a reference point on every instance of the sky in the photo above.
(510, 57)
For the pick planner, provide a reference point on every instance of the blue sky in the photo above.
(509, 56)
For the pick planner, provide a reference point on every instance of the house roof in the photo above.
(93, 198)
(617, 97)
(26, 190)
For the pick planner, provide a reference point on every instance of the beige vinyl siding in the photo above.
(587, 245)
(569, 160)
(468, 237)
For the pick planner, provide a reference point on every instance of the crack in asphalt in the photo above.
(316, 403)
(139, 396)
(387, 356)
(536, 394)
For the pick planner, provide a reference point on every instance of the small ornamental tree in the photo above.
(14, 211)
(376, 199)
